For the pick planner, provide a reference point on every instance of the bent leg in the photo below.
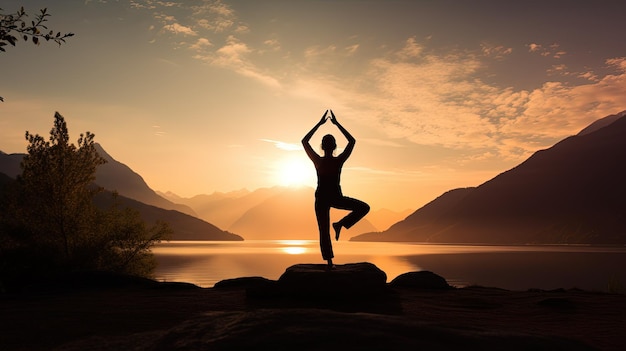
(359, 210)
(322, 212)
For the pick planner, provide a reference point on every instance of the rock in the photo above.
(355, 287)
(244, 282)
(347, 279)
(420, 280)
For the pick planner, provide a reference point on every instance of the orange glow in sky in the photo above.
(201, 96)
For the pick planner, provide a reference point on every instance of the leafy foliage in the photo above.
(49, 223)
(15, 25)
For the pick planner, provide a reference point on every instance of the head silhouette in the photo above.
(328, 143)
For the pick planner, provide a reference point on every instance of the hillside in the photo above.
(117, 176)
(422, 219)
(224, 209)
(10, 164)
(113, 175)
(570, 193)
(185, 227)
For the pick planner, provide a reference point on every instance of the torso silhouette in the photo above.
(328, 176)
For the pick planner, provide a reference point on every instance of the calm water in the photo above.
(509, 267)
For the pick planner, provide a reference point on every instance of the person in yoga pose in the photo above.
(328, 193)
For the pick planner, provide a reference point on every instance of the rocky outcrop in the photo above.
(244, 282)
(420, 280)
(353, 278)
(355, 287)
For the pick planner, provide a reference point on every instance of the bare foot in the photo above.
(330, 265)
(337, 227)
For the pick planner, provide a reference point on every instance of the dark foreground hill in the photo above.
(138, 314)
(573, 192)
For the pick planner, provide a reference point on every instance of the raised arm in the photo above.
(305, 141)
(351, 141)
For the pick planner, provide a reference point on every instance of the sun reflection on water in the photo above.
(509, 267)
(294, 250)
(294, 247)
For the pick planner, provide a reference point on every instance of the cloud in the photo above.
(157, 131)
(618, 63)
(284, 146)
(552, 50)
(350, 50)
(411, 49)
(499, 52)
(428, 99)
(201, 44)
(177, 28)
(273, 44)
(439, 99)
(218, 28)
(234, 55)
(423, 95)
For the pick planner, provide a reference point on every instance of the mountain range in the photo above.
(290, 214)
(135, 193)
(571, 193)
(265, 213)
(276, 213)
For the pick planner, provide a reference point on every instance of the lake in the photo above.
(510, 267)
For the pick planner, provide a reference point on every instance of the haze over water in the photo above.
(509, 267)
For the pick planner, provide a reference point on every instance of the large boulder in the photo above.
(420, 280)
(354, 287)
(362, 278)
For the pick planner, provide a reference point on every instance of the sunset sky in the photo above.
(204, 96)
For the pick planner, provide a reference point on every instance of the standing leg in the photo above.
(359, 210)
(322, 212)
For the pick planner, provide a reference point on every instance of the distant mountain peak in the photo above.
(117, 176)
(601, 123)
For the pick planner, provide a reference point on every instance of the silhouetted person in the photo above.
(328, 193)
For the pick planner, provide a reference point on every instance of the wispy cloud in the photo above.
(177, 28)
(438, 98)
(499, 52)
(157, 131)
(424, 95)
(552, 50)
(218, 30)
(283, 146)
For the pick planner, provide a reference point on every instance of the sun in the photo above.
(295, 171)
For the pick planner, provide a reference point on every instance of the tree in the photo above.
(14, 25)
(51, 224)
